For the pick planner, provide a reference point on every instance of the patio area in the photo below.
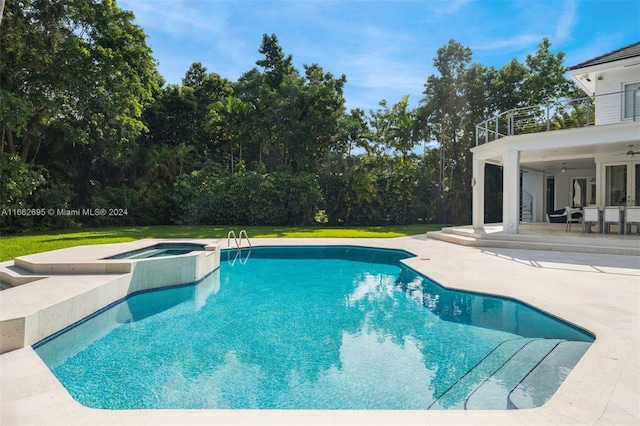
(597, 292)
(542, 236)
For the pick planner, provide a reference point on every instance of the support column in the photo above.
(541, 196)
(601, 182)
(477, 190)
(511, 192)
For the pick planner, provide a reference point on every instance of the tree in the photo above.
(354, 132)
(396, 128)
(545, 80)
(79, 70)
(230, 117)
(294, 118)
(205, 89)
(505, 91)
(444, 109)
(310, 110)
(275, 64)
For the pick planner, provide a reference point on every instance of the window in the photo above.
(631, 100)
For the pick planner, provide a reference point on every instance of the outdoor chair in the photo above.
(570, 217)
(610, 216)
(590, 217)
(631, 217)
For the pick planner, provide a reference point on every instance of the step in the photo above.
(12, 276)
(560, 236)
(456, 395)
(493, 393)
(522, 242)
(540, 385)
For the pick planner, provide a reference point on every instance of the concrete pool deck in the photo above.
(598, 292)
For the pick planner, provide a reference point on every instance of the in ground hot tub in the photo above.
(85, 279)
(159, 250)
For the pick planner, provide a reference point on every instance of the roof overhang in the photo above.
(586, 77)
(580, 145)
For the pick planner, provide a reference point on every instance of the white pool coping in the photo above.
(594, 291)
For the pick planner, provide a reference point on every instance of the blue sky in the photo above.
(385, 48)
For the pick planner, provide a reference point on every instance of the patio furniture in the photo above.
(558, 216)
(573, 216)
(591, 217)
(631, 217)
(612, 215)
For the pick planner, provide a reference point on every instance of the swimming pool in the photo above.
(315, 328)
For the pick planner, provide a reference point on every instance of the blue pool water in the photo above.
(314, 328)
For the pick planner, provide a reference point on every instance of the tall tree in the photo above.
(76, 71)
(545, 80)
(295, 118)
(505, 91)
(206, 89)
(444, 108)
(230, 117)
(275, 64)
(310, 109)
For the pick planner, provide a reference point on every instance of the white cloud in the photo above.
(180, 18)
(449, 7)
(566, 22)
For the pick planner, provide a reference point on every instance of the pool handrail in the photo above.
(238, 240)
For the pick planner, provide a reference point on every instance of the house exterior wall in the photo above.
(609, 88)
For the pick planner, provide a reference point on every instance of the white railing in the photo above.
(561, 114)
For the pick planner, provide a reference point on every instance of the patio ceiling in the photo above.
(550, 160)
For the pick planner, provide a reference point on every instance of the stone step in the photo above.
(561, 237)
(546, 378)
(630, 248)
(493, 393)
(12, 276)
(457, 394)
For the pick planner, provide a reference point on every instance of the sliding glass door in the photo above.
(622, 184)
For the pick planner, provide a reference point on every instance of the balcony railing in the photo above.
(563, 114)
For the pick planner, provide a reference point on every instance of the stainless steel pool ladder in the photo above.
(238, 240)
(239, 250)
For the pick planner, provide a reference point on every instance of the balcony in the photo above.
(609, 108)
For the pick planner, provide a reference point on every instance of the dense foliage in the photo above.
(86, 122)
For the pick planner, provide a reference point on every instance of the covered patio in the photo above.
(549, 166)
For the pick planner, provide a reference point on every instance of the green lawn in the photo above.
(23, 244)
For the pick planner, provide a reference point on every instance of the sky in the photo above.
(385, 48)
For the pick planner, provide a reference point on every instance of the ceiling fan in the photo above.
(564, 168)
(631, 152)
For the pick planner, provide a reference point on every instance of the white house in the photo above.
(586, 162)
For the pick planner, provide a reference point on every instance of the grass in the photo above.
(38, 242)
